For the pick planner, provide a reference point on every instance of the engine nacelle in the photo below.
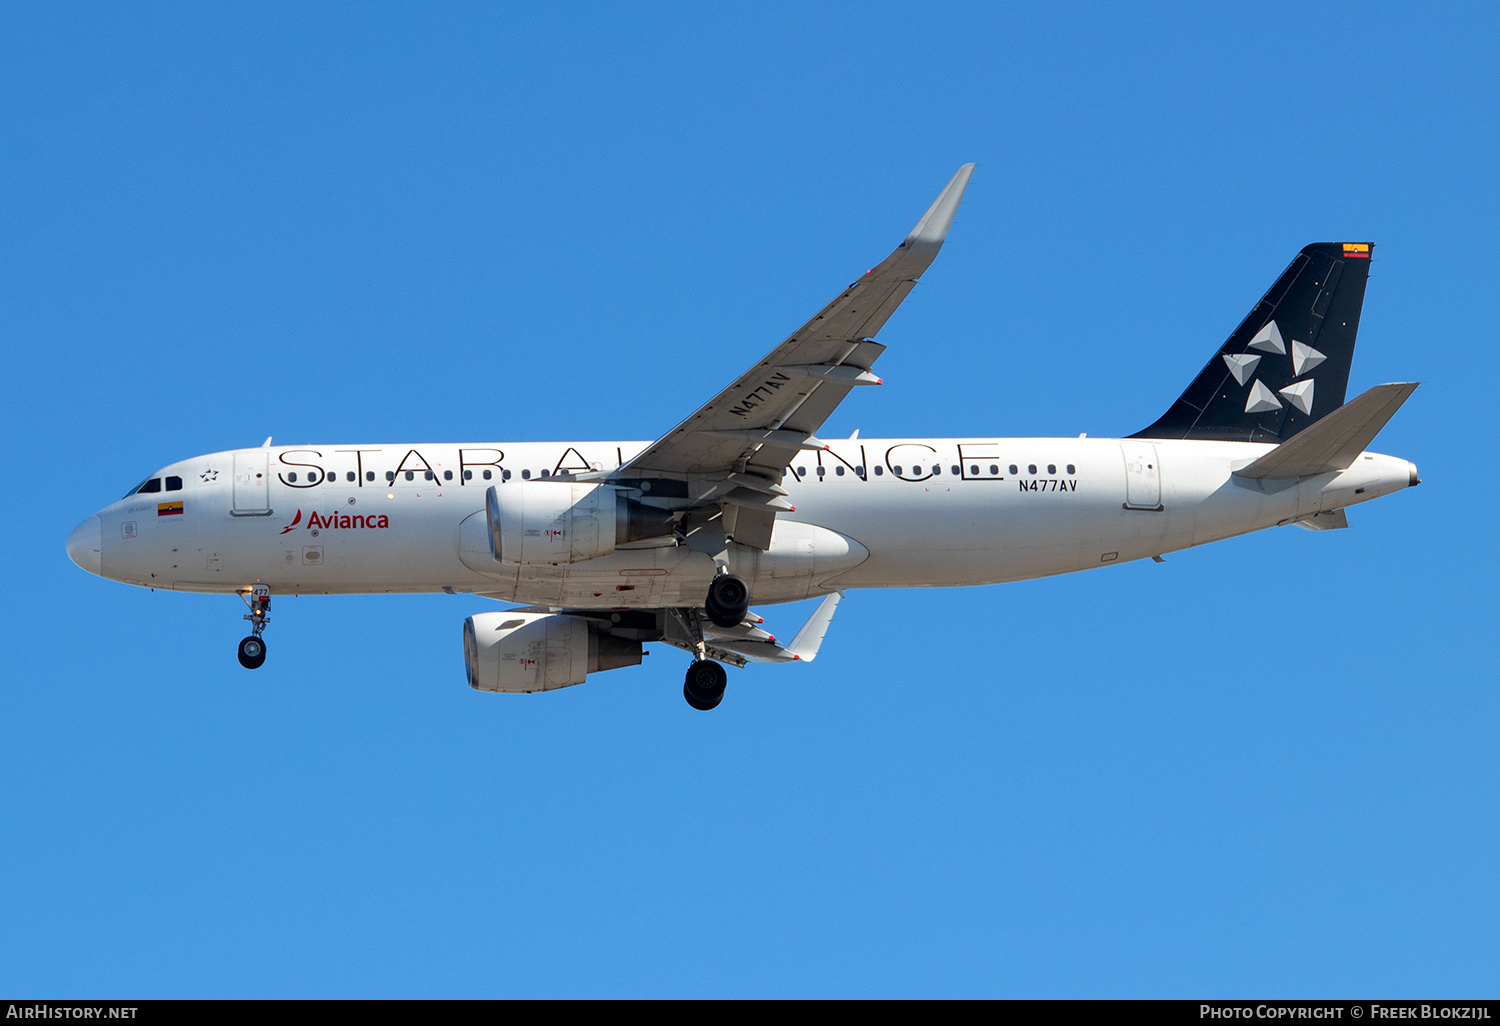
(520, 653)
(552, 522)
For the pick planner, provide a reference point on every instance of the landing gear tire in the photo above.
(728, 600)
(253, 649)
(704, 687)
(252, 652)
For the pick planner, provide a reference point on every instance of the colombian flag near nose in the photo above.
(168, 509)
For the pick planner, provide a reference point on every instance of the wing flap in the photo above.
(752, 527)
(1332, 520)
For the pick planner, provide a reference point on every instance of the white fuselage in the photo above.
(870, 513)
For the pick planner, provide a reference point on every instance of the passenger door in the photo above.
(252, 484)
(1142, 476)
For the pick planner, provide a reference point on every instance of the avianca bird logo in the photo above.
(295, 521)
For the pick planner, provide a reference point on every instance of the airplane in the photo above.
(608, 546)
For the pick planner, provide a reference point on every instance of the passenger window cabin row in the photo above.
(410, 475)
(173, 483)
(919, 470)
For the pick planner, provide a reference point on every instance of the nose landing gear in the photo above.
(253, 649)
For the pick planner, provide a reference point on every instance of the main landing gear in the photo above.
(253, 648)
(728, 600)
(704, 687)
(726, 605)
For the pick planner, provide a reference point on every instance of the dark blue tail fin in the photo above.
(1287, 364)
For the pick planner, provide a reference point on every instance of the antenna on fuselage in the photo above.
(267, 443)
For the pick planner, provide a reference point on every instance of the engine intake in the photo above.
(519, 653)
(552, 522)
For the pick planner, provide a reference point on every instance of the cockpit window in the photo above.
(174, 484)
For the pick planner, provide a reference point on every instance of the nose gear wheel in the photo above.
(253, 649)
(252, 652)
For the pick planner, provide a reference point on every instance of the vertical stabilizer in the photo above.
(1287, 364)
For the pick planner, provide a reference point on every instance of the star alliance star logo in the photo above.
(1261, 398)
(209, 475)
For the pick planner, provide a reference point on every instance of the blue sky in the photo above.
(1264, 767)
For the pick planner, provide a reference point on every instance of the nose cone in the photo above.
(86, 546)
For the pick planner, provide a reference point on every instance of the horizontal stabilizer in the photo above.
(1335, 441)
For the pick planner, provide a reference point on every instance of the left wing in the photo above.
(734, 450)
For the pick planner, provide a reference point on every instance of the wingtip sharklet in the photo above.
(922, 243)
(933, 228)
(809, 639)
